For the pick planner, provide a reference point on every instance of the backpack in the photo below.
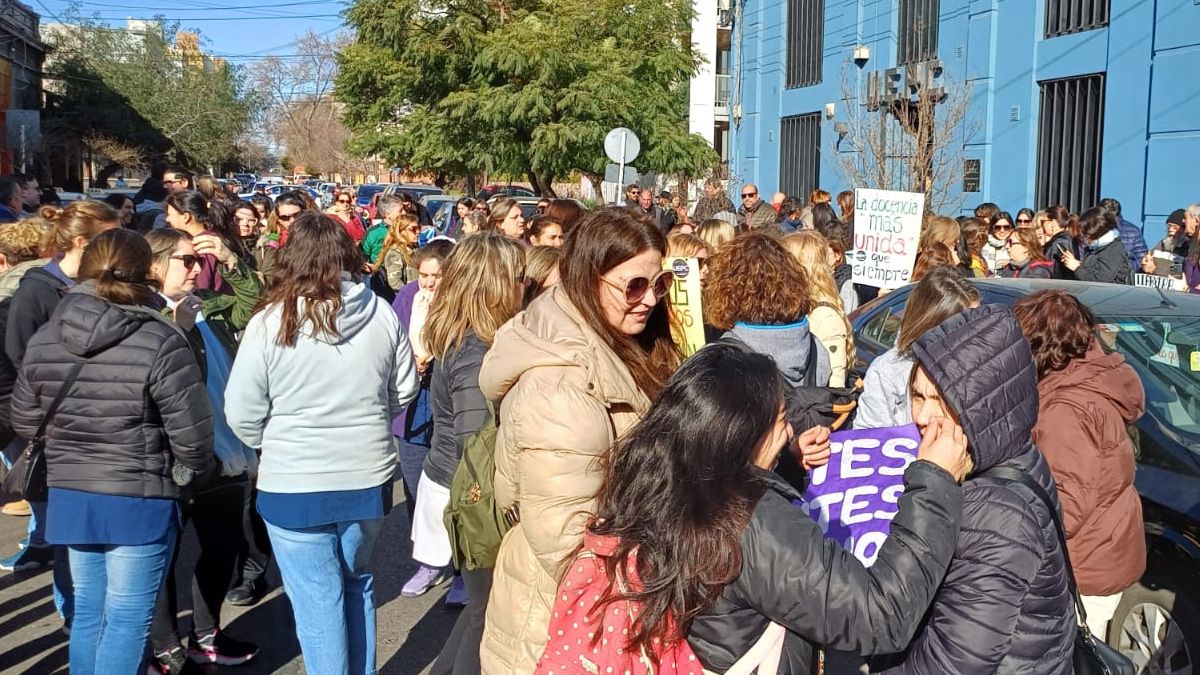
(572, 646)
(474, 521)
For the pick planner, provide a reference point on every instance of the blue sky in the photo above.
(239, 31)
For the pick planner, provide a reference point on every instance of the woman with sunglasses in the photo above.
(211, 321)
(342, 211)
(189, 211)
(288, 206)
(995, 252)
(571, 373)
(1025, 257)
(246, 226)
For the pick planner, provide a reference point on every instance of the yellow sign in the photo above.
(686, 306)
(1196, 362)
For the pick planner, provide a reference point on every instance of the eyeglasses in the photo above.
(1024, 220)
(189, 261)
(286, 217)
(635, 289)
(748, 195)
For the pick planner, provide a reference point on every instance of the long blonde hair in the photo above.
(810, 248)
(478, 293)
(680, 245)
(395, 239)
(716, 233)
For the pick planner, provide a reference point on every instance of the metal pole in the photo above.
(621, 171)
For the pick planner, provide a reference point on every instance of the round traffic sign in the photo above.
(622, 139)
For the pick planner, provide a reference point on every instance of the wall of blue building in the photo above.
(1150, 53)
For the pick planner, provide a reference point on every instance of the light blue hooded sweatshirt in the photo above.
(321, 410)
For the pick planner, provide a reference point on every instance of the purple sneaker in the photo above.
(457, 595)
(425, 579)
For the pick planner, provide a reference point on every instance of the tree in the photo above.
(522, 87)
(911, 141)
(300, 113)
(145, 91)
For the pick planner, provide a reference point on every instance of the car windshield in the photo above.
(1163, 351)
(365, 191)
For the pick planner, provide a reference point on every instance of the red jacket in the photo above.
(354, 227)
(1083, 416)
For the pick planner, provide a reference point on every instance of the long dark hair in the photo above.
(191, 202)
(604, 239)
(680, 487)
(309, 268)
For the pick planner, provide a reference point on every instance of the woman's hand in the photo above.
(812, 447)
(207, 244)
(944, 443)
(1069, 260)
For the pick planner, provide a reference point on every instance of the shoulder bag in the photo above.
(1092, 656)
(27, 477)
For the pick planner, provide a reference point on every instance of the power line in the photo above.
(205, 8)
(190, 19)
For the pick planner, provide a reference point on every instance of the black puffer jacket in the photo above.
(794, 576)
(137, 408)
(1053, 251)
(1004, 606)
(458, 407)
(1109, 264)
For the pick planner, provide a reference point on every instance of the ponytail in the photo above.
(85, 218)
(118, 263)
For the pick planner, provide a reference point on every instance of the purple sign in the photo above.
(854, 497)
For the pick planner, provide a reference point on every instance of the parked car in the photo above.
(362, 198)
(1158, 621)
(496, 190)
(414, 190)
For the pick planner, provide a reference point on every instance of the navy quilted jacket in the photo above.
(1004, 606)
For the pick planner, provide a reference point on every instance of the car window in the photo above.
(1163, 351)
(884, 326)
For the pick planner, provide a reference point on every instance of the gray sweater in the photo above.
(884, 400)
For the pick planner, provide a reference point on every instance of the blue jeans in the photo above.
(115, 591)
(325, 575)
(64, 597)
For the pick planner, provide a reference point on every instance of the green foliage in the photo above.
(521, 86)
(139, 89)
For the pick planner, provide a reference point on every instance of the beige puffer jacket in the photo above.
(566, 397)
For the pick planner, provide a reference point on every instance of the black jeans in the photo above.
(254, 553)
(460, 654)
(217, 515)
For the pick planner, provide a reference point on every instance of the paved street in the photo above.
(410, 631)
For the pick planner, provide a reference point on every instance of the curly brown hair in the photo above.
(1058, 326)
(753, 279)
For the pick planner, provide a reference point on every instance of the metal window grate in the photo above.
(1064, 17)
(918, 31)
(805, 42)
(1070, 136)
(800, 154)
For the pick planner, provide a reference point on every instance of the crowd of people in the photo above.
(184, 356)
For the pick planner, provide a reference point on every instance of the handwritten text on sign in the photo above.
(686, 303)
(854, 497)
(887, 229)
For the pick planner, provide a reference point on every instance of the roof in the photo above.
(1101, 298)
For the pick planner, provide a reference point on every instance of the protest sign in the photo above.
(855, 496)
(1155, 281)
(688, 326)
(887, 229)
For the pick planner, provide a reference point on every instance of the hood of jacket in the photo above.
(90, 324)
(10, 280)
(358, 308)
(789, 345)
(551, 332)
(983, 367)
(1098, 377)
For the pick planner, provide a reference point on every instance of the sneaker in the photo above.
(247, 593)
(169, 662)
(216, 647)
(420, 583)
(29, 558)
(457, 596)
(23, 544)
(18, 508)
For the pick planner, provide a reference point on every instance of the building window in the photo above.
(918, 31)
(800, 154)
(1070, 134)
(1074, 16)
(805, 42)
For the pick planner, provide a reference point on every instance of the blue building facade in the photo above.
(1070, 100)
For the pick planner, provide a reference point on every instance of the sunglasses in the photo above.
(1002, 228)
(189, 261)
(343, 201)
(286, 218)
(635, 289)
(1023, 220)
(748, 195)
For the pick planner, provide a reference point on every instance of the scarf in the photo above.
(416, 322)
(1103, 240)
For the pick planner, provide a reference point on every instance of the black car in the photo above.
(1158, 621)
